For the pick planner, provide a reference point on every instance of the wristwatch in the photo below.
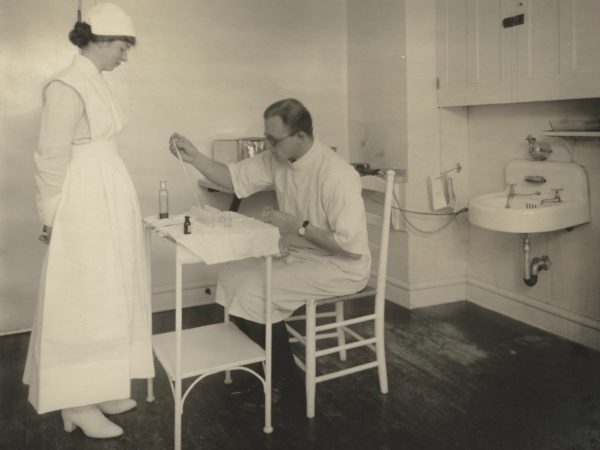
(302, 229)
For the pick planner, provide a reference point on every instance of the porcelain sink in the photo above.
(525, 215)
(533, 182)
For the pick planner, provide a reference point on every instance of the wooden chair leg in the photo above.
(311, 369)
(380, 352)
(339, 317)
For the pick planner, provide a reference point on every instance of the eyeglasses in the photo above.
(274, 141)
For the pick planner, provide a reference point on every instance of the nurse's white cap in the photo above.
(107, 19)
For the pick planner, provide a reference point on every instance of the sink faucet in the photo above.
(556, 198)
(512, 194)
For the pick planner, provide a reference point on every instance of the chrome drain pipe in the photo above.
(533, 267)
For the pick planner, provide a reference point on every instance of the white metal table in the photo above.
(220, 347)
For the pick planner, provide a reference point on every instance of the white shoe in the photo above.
(117, 406)
(91, 421)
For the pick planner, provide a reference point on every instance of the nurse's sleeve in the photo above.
(345, 209)
(63, 108)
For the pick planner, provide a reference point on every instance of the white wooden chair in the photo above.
(339, 328)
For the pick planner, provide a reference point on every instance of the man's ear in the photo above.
(302, 135)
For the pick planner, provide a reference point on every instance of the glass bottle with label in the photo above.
(163, 201)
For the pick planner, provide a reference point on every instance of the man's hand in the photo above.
(287, 223)
(182, 145)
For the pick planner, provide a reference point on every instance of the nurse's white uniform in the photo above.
(91, 331)
(320, 187)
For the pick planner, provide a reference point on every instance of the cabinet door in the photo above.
(558, 50)
(473, 51)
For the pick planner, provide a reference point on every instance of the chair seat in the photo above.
(366, 292)
(205, 349)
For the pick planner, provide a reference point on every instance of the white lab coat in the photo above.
(320, 187)
(92, 331)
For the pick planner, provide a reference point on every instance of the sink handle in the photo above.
(556, 192)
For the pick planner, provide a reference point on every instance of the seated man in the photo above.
(321, 220)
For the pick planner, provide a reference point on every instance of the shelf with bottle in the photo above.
(573, 134)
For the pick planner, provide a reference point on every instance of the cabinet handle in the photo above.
(513, 21)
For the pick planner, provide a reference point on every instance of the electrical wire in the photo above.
(451, 216)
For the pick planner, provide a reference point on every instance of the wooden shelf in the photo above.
(573, 134)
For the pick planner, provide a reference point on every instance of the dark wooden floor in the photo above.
(461, 377)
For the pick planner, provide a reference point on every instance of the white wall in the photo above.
(377, 82)
(395, 122)
(377, 100)
(436, 253)
(206, 69)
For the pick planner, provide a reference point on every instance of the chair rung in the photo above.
(319, 337)
(300, 363)
(337, 348)
(303, 316)
(341, 373)
(296, 334)
(358, 337)
(344, 323)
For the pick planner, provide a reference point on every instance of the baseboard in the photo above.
(428, 293)
(563, 323)
(437, 292)
(396, 291)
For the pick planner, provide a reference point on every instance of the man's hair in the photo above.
(293, 114)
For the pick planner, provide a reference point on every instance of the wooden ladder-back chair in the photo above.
(339, 328)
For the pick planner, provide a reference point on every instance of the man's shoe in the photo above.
(246, 386)
(254, 401)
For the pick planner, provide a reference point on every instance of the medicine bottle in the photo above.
(187, 226)
(163, 201)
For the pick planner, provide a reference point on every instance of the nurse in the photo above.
(92, 331)
(321, 219)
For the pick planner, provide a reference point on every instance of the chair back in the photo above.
(383, 185)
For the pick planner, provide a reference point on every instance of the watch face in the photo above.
(302, 229)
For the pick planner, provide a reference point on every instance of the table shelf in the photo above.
(210, 348)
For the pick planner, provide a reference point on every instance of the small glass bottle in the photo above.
(163, 201)
(187, 226)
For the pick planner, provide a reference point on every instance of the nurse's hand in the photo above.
(283, 248)
(187, 150)
(46, 235)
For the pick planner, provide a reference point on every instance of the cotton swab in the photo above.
(186, 174)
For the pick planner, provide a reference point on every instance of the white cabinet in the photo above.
(473, 52)
(558, 50)
(554, 54)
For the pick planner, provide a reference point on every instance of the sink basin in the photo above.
(527, 213)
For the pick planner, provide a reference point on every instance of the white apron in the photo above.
(92, 331)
